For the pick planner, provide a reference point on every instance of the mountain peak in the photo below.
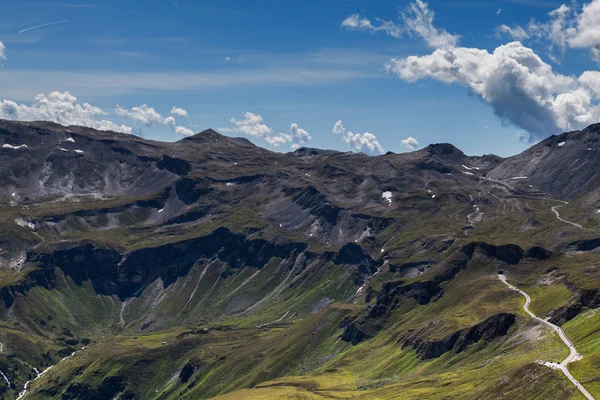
(210, 135)
(443, 149)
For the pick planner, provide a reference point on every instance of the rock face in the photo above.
(563, 165)
(108, 389)
(488, 330)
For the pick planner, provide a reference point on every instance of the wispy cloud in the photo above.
(22, 85)
(43, 25)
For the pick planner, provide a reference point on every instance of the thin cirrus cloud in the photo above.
(366, 142)
(23, 85)
(42, 26)
(2, 51)
(253, 125)
(521, 88)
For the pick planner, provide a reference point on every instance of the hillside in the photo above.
(210, 267)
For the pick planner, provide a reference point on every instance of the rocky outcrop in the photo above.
(488, 330)
(188, 370)
(586, 298)
(584, 245)
(353, 333)
(508, 253)
(44, 278)
(353, 254)
(189, 190)
(310, 198)
(108, 389)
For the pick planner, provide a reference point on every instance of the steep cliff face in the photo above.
(494, 327)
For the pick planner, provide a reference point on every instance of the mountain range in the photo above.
(213, 268)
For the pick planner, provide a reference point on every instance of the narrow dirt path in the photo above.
(573, 355)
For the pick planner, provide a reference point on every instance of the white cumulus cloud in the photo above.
(180, 112)
(359, 141)
(586, 33)
(182, 130)
(338, 128)
(567, 27)
(410, 143)
(253, 125)
(143, 114)
(62, 108)
(515, 33)
(170, 122)
(299, 135)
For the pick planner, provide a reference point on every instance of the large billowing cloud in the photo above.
(522, 89)
(359, 141)
(62, 108)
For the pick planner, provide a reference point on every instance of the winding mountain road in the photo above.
(573, 355)
(555, 211)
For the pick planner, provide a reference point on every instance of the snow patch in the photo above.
(10, 146)
(387, 196)
(62, 149)
(70, 140)
(517, 177)
(161, 210)
(561, 144)
(360, 289)
(468, 173)
(229, 184)
(79, 151)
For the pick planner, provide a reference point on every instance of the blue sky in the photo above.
(255, 68)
